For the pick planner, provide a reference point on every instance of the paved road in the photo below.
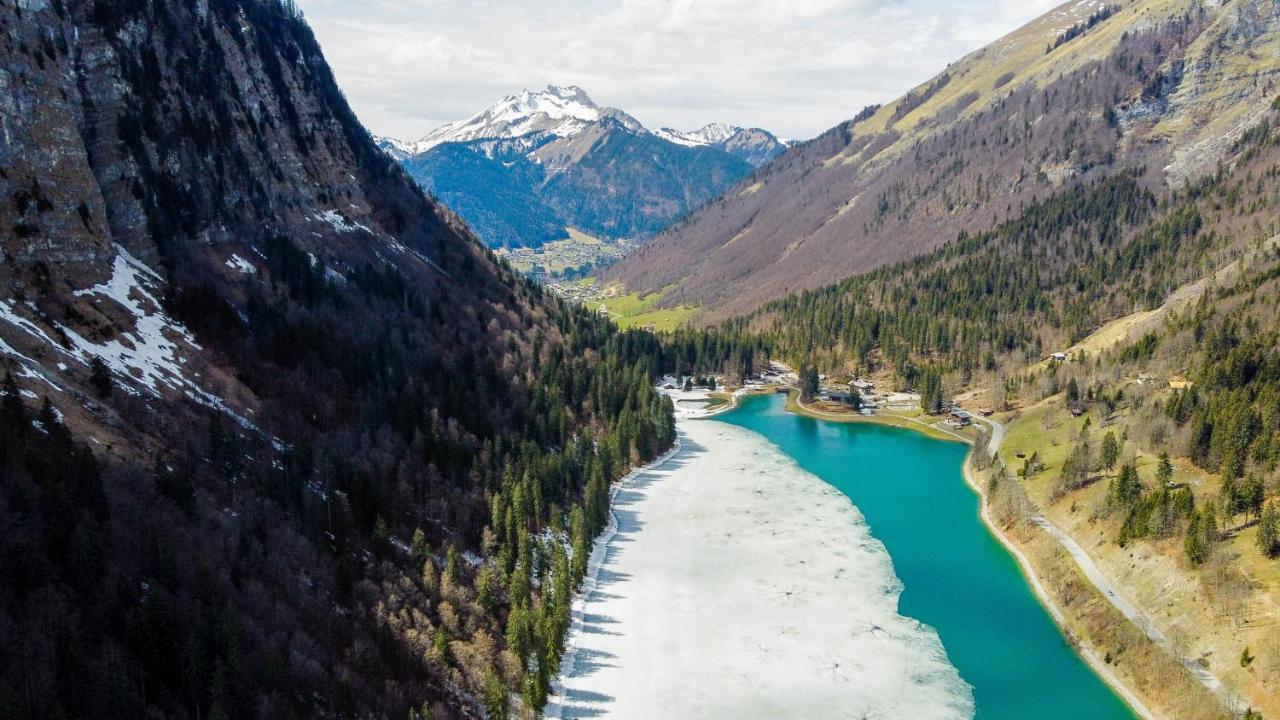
(1113, 595)
(1131, 611)
(997, 434)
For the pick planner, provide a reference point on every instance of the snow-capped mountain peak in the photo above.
(398, 149)
(558, 110)
(566, 111)
(556, 103)
(709, 134)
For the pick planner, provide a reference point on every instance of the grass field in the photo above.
(634, 310)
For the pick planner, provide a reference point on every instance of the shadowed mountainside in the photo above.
(278, 436)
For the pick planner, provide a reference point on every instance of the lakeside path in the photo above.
(1106, 589)
(733, 584)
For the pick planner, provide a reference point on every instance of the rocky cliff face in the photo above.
(280, 387)
(188, 136)
(753, 145)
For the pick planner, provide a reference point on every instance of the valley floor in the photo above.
(689, 606)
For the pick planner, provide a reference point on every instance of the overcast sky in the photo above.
(795, 67)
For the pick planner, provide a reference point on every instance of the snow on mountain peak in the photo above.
(713, 133)
(709, 134)
(399, 149)
(559, 110)
(555, 102)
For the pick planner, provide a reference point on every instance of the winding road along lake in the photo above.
(956, 577)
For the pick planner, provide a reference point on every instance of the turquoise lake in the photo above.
(957, 578)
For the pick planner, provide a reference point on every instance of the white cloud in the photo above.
(795, 67)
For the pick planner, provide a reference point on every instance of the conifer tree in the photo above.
(451, 565)
(100, 377)
(418, 547)
(808, 383)
(1269, 531)
(1126, 489)
(1110, 452)
(495, 696)
(1194, 545)
(580, 543)
(11, 407)
(1164, 471)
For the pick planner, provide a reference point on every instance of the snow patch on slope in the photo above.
(27, 368)
(235, 262)
(340, 222)
(150, 355)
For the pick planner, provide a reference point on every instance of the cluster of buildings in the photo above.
(860, 393)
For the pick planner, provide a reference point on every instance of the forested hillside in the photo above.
(1198, 270)
(1160, 87)
(278, 437)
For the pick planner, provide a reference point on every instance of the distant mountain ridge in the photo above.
(537, 162)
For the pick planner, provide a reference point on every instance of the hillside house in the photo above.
(959, 418)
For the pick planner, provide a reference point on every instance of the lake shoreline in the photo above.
(1034, 581)
(685, 413)
(1131, 695)
(885, 419)
(577, 613)
(1100, 668)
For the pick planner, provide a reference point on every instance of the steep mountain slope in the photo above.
(617, 183)
(278, 437)
(1154, 442)
(1084, 92)
(499, 197)
(543, 161)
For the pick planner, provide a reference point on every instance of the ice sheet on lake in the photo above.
(738, 585)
